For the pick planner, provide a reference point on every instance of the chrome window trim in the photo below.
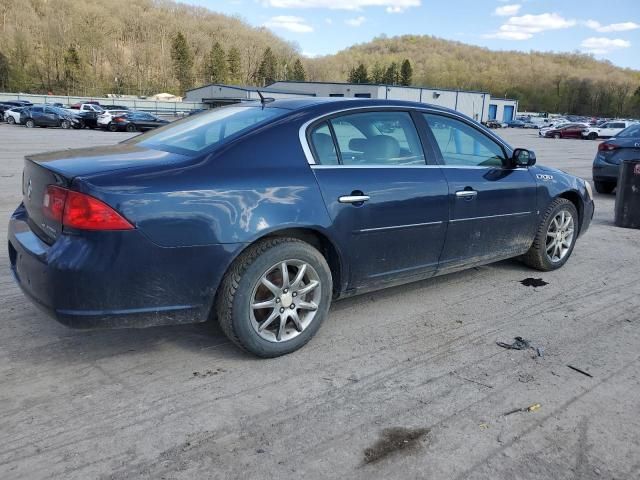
(490, 216)
(317, 166)
(398, 227)
(302, 132)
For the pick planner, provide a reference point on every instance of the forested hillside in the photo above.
(142, 47)
(568, 82)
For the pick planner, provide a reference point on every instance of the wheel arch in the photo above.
(574, 197)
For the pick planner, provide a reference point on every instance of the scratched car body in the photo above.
(260, 214)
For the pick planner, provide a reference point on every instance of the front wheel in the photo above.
(65, 124)
(274, 297)
(592, 136)
(11, 120)
(30, 123)
(555, 238)
(557, 136)
(131, 128)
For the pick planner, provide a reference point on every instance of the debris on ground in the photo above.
(530, 408)
(208, 373)
(520, 343)
(533, 282)
(580, 371)
(525, 378)
(393, 440)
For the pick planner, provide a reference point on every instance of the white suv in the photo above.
(606, 129)
(104, 119)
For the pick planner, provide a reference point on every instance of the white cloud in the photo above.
(507, 10)
(287, 22)
(355, 22)
(328, 21)
(602, 45)
(613, 27)
(392, 6)
(524, 27)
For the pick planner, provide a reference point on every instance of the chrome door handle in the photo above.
(466, 194)
(353, 198)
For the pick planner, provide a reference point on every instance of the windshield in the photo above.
(631, 131)
(199, 132)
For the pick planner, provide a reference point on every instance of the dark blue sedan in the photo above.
(260, 214)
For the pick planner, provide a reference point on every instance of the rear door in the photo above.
(573, 131)
(492, 207)
(388, 205)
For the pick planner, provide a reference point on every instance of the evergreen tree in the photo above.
(268, 68)
(359, 74)
(4, 72)
(377, 73)
(235, 65)
(71, 68)
(406, 73)
(392, 76)
(182, 59)
(216, 65)
(299, 74)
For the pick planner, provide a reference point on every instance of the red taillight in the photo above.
(81, 211)
(117, 119)
(607, 147)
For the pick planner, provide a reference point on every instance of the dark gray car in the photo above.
(611, 153)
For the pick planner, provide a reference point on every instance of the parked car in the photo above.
(45, 116)
(516, 124)
(611, 153)
(570, 130)
(135, 122)
(87, 107)
(493, 124)
(12, 115)
(114, 107)
(87, 119)
(552, 126)
(259, 214)
(606, 129)
(531, 125)
(104, 118)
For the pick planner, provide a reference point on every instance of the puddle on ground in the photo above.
(534, 282)
(393, 440)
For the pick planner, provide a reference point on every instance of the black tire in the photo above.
(29, 123)
(537, 256)
(604, 187)
(592, 136)
(65, 124)
(112, 127)
(235, 295)
(11, 120)
(557, 136)
(131, 128)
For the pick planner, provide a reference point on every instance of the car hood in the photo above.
(91, 161)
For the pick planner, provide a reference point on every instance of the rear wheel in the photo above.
(604, 187)
(112, 127)
(274, 297)
(131, 128)
(556, 237)
(30, 123)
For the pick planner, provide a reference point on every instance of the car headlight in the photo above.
(587, 186)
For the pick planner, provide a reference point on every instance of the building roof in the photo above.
(246, 88)
(379, 85)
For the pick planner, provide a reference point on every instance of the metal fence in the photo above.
(151, 106)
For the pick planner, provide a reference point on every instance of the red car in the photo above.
(570, 130)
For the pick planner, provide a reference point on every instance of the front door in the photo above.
(492, 207)
(389, 208)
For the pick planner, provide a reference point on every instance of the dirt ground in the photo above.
(400, 384)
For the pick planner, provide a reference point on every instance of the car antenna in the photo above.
(264, 100)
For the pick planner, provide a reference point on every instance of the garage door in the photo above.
(508, 113)
(493, 111)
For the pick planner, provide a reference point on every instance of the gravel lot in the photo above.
(400, 384)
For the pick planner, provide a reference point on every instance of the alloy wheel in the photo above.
(285, 300)
(560, 235)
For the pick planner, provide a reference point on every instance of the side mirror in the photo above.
(523, 158)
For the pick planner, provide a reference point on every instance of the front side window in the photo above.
(461, 144)
(377, 138)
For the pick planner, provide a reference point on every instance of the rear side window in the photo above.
(461, 144)
(371, 138)
(199, 132)
(632, 131)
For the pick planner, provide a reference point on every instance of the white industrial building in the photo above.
(477, 105)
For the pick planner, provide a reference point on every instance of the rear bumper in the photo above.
(604, 171)
(115, 279)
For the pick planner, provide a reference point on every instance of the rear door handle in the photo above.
(469, 194)
(353, 198)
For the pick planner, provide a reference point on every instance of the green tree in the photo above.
(4, 72)
(298, 74)
(406, 73)
(392, 75)
(268, 68)
(182, 59)
(216, 65)
(377, 73)
(72, 69)
(234, 63)
(359, 74)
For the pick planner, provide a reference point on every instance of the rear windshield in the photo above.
(630, 132)
(199, 132)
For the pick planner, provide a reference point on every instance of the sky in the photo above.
(610, 30)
